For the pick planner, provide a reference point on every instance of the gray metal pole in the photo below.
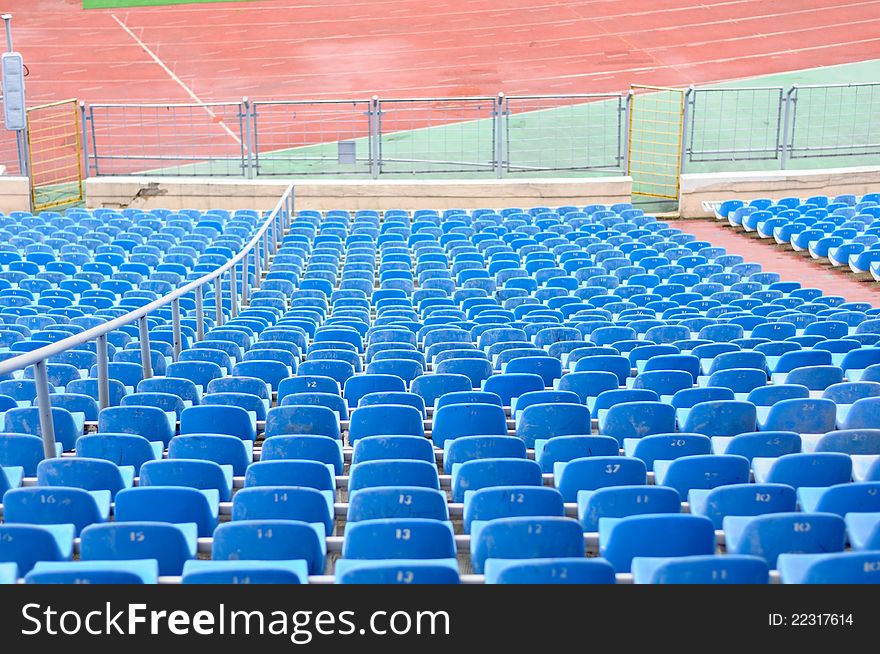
(266, 249)
(200, 314)
(85, 137)
(789, 108)
(257, 272)
(103, 372)
(373, 114)
(144, 338)
(627, 113)
(685, 128)
(44, 404)
(233, 291)
(499, 136)
(7, 18)
(175, 327)
(245, 279)
(218, 300)
(248, 138)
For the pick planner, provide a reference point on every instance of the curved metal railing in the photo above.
(264, 244)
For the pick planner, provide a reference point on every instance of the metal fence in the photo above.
(833, 121)
(312, 137)
(167, 139)
(497, 136)
(565, 133)
(772, 124)
(735, 124)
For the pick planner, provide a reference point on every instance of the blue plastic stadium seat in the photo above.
(624, 501)
(26, 545)
(270, 540)
(565, 448)
(311, 448)
(149, 422)
(704, 569)
(469, 448)
(770, 535)
(637, 419)
(385, 420)
(458, 420)
(497, 541)
(175, 504)
(510, 501)
(398, 501)
(830, 568)
(701, 471)
(395, 541)
(804, 469)
(484, 473)
(591, 473)
(218, 419)
(284, 503)
(56, 505)
(545, 421)
(68, 427)
(296, 420)
(170, 545)
(659, 535)
(741, 499)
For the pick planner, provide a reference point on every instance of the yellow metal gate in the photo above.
(55, 154)
(655, 133)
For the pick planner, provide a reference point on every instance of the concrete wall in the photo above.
(15, 194)
(713, 187)
(181, 192)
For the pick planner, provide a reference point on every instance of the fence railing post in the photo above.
(787, 139)
(103, 371)
(375, 136)
(627, 125)
(248, 138)
(94, 142)
(85, 137)
(144, 338)
(44, 404)
(686, 118)
(499, 136)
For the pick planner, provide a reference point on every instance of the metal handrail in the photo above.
(278, 219)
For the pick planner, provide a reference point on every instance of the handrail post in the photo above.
(144, 338)
(245, 278)
(233, 291)
(200, 314)
(218, 300)
(44, 404)
(103, 372)
(175, 327)
(257, 272)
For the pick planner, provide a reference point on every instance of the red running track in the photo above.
(411, 48)
(791, 265)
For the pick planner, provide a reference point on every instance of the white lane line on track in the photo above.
(176, 79)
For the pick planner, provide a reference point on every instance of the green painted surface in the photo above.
(120, 4)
